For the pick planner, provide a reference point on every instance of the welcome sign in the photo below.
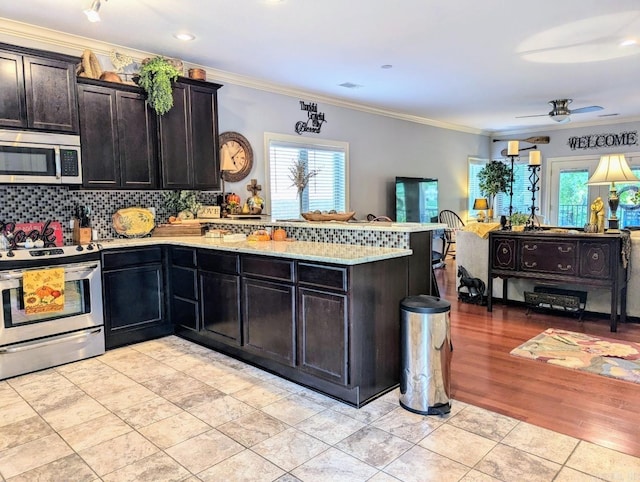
(597, 141)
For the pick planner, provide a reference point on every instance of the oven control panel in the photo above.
(46, 252)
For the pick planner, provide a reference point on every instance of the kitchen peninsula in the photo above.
(322, 314)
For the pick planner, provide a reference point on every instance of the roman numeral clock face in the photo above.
(239, 156)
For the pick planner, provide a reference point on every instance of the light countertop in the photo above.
(345, 254)
(346, 225)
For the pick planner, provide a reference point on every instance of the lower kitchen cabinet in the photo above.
(183, 279)
(134, 301)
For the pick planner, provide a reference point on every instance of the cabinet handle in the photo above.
(564, 268)
(505, 250)
(531, 247)
(595, 256)
(565, 250)
(530, 265)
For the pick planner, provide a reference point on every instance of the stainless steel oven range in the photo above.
(34, 341)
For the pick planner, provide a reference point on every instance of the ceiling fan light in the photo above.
(561, 118)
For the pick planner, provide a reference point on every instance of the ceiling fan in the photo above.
(560, 111)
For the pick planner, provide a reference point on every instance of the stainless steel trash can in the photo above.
(425, 337)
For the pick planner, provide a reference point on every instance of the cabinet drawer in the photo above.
(183, 257)
(130, 257)
(267, 267)
(184, 282)
(322, 276)
(549, 257)
(218, 262)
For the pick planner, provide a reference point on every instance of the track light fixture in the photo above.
(92, 13)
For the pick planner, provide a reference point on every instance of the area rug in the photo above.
(602, 356)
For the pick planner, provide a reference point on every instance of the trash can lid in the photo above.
(425, 304)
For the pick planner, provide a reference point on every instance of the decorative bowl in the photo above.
(328, 217)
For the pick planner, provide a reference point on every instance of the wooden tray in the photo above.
(179, 229)
(328, 217)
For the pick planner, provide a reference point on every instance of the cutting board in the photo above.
(179, 229)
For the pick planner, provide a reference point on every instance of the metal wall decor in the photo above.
(314, 120)
(597, 141)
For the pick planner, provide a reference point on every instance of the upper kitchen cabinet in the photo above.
(189, 148)
(37, 90)
(118, 135)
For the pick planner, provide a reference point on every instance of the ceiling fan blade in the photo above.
(530, 140)
(582, 110)
(535, 115)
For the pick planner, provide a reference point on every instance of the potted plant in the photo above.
(183, 204)
(156, 75)
(493, 179)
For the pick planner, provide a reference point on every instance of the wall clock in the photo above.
(239, 156)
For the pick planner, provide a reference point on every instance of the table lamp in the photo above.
(611, 169)
(481, 204)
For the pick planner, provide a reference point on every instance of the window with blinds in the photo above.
(326, 189)
(521, 194)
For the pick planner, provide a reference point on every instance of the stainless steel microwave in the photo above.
(29, 157)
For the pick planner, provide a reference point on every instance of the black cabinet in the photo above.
(118, 135)
(134, 301)
(183, 276)
(220, 295)
(268, 304)
(37, 90)
(188, 133)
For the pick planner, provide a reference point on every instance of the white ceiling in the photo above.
(471, 63)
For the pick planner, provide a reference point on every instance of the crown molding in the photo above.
(43, 38)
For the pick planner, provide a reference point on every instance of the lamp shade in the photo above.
(612, 168)
(480, 204)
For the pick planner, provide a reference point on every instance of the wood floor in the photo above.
(590, 407)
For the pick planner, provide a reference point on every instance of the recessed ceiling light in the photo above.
(628, 42)
(386, 66)
(184, 36)
(92, 13)
(350, 85)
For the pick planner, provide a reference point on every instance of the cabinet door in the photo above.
(50, 87)
(220, 298)
(322, 323)
(503, 253)
(269, 319)
(13, 112)
(98, 132)
(136, 141)
(134, 303)
(175, 142)
(595, 260)
(204, 137)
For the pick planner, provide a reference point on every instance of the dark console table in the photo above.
(588, 260)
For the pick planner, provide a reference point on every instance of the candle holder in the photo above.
(534, 179)
(512, 158)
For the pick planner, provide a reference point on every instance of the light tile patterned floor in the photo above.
(170, 410)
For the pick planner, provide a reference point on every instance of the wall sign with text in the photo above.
(314, 120)
(597, 141)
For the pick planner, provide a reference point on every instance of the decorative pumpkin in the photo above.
(233, 198)
(279, 234)
(259, 235)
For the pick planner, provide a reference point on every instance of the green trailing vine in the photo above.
(156, 76)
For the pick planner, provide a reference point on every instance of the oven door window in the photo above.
(27, 161)
(76, 302)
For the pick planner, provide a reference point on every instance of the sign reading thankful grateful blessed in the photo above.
(596, 141)
(314, 120)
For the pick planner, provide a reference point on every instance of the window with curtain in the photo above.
(326, 190)
(521, 195)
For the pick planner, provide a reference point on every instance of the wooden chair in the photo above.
(454, 223)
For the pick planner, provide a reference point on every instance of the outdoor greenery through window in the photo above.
(326, 190)
(521, 195)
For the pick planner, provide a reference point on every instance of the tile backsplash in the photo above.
(36, 203)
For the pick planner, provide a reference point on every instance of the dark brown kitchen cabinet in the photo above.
(189, 137)
(37, 90)
(134, 295)
(219, 282)
(268, 304)
(118, 135)
(183, 280)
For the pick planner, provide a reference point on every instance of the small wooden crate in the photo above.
(179, 229)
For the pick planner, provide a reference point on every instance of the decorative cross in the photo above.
(254, 187)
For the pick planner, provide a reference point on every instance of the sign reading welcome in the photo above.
(597, 141)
